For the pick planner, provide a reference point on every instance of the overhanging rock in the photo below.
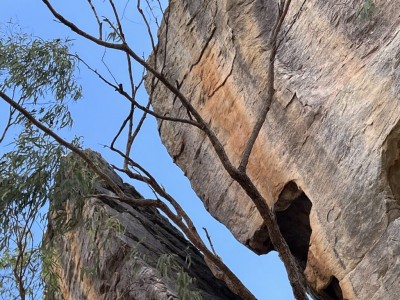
(328, 154)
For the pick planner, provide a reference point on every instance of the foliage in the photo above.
(21, 265)
(40, 74)
(367, 9)
(166, 264)
(27, 178)
(49, 272)
(39, 68)
(135, 257)
(73, 180)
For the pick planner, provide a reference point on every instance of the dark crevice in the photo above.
(333, 290)
(394, 171)
(293, 216)
(289, 193)
(391, 164)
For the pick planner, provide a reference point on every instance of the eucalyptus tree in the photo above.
(40, 76)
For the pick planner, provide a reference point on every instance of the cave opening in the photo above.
(394, 172)
(293, 215)
(391, 164)
(333, 290)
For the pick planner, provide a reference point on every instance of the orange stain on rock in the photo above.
(232, 121)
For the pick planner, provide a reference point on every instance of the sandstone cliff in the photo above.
(327, 157)
(105, 249)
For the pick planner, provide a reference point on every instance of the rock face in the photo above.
(105, 249)
(328, 156)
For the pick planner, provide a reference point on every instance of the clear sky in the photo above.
(100, 113)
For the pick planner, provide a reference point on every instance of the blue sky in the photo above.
(99, 114)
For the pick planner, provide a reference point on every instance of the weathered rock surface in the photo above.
(328, 156)
(105, 249)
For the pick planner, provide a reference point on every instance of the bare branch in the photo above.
(185, 102)
(10, 123)
(131, 78)
(129, 140)
(209, 240)
(134, 90)
(190, 230)
(133, 101)
(271, 88)
(153, 45)
(121, 33)
(104, 63)
(74, 149)
(132, 135)
(127, 119)
(97, 19)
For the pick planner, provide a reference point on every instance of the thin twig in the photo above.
(97, 19)
(209, 240)
(138, 105)
(134, 90)
(129, 140)
(10, 123)
(131, 78)
(294, 20)
(153, 45)
(121, 129)
(103, 60)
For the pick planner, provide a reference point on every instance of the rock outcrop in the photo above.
(105, 249)
(328, 156)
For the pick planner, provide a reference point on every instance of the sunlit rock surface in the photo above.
(328, 155)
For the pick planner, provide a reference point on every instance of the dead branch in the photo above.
(209, 240)
(189, 229)
(150, 34)
(271, 87)
(134, 102)
(296, 278)
(97, 19)
(185, 102)
(187, 226)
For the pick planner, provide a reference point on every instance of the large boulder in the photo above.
(327, 157)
